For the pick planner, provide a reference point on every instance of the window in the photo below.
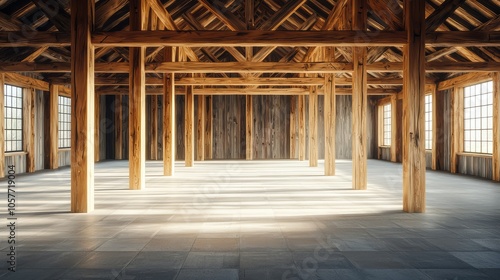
(13, 118)
(387, 125)
(478, 118)
(64, 122)
(428, 122)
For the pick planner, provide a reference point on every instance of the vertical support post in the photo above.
(293, 126)
(435, 139)
(200, 127)
(189, 127)
(249, 127)
(413, 108)
(394, 109)
(118, 126)
(313, 126)
(438, 130)
(154, 128)
(137, 100)
(97, 118)
(330, 116)
(82, 106)
(29, 128)
(52, 122)
(302, 126)
(496, 126)
(168, 117)
(457, 143)
(359, 100)
(2, 125)
(208, 128)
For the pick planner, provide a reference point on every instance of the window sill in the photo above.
(64, 150)
(8, 154)
(475, 155)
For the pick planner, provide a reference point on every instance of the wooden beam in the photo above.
(463, 38)
(19, 80)
(441, 14)
(456, 127)
(11, 39)
(464, 79)
(438, 130)
(359, 101)
(29, 128)
(118, 109)
(57, 15)
(189, 127)
(313, 126)
(137, 101)
(251, 81)
(169, 117)
(250, 38)
(153, 132)
(208, 128)
(52, 128)
(302, 126)
(413, 109)
(249, 127)
(330, 111)
(2, 125)
(293, 127)
(229, 19)
(247, 67)
(282, 15)
(82, 107)
(97, 118)
(200, 127)
(496, 127)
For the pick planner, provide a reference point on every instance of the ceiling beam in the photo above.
(441, 14)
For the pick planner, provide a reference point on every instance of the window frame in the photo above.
(63, 122)
(9, 107)
(430, 123)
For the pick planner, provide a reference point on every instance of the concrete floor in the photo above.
(254, 220)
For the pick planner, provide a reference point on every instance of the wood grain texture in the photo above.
(19, 80)
(496, 127)
(313, 127)
(301, 104)
(137, 101)
(189, 127)
(169, 129)
(2, 125)
(457, 123)
(29, 128)
(200, 127)
(97, 128)
(413, 109)
(82, 107)
(249, 127)
(229, 127)
(51, 125)
(293, 127)
(118, 111)
(330, 113)
(209, 128)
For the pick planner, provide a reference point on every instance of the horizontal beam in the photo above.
(250, 67)
(463, 39)
(248, 38)
(251, 81)
(29, 38)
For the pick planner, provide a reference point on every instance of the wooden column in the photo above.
(208, 128)
(82, 106)
(2, 125)
(249, 127)
(52, 128)
(137, 100)
(200, 128)
(359, 101)
(189, 127)
(435, 139)
(29, 128)
(496, 126)
(457, 121)
(118, 127)
(293, 126)
(413, 108)
(302, 126)
(97, 118)
(330, 116)
(313, 126)
(394, 105)
(168, 117)
(154, 128)
(438, 145)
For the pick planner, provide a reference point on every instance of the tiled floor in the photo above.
(254, 220)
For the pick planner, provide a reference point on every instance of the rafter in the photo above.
(441, 14)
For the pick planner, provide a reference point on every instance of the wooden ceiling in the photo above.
(30, 16)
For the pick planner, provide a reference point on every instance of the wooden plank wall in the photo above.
(475, 166)
(446, 130)
(39, 131)
(229, 127)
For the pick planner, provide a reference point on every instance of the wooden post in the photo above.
(29, 128)
(496, 126)
(249, 127)
(435, 139)
(168, 117)
(413, 108)
(208, 128)
(82, 106)
(137, 100)
(2, 125)
(154, 127)
(293, 126)
(189, 127)
(457, 120)
(394, 105)
(313, 126)
(97, 117)
(302, 126)
(330, 116)
(118, 127)
(359, 100)
(438, 131)
(52, 128)
(200, 128)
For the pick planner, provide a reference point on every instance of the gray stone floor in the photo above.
(254, 220)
